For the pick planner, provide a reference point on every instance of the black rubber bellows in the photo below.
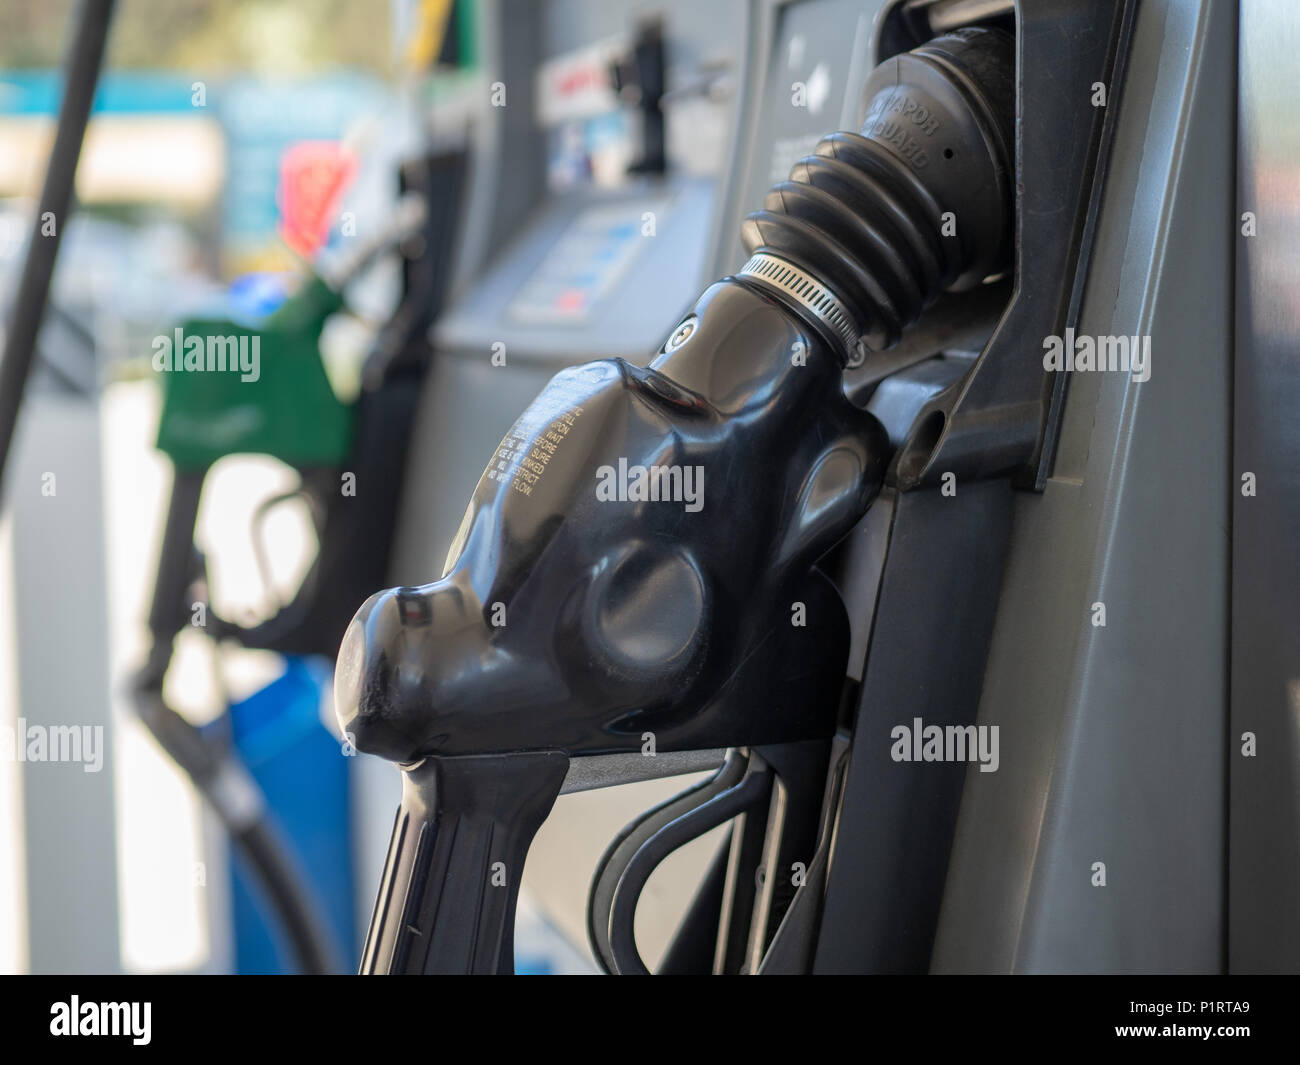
(918, 202)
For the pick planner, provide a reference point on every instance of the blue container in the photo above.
(304, 774)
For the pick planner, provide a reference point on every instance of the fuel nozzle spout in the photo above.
(873, 226)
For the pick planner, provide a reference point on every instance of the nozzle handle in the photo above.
(446, 902)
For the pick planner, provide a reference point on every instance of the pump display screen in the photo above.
(587, 261)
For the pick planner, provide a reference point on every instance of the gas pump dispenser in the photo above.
(881, 412)
(864, 539)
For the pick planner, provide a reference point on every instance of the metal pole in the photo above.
(81, 75)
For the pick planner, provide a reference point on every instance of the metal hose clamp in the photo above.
(810, 294)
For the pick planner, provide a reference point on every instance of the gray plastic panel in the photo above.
(1113, 737)
(1264, 870)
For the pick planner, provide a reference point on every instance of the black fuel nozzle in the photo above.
(634, 574)
(636, 570)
